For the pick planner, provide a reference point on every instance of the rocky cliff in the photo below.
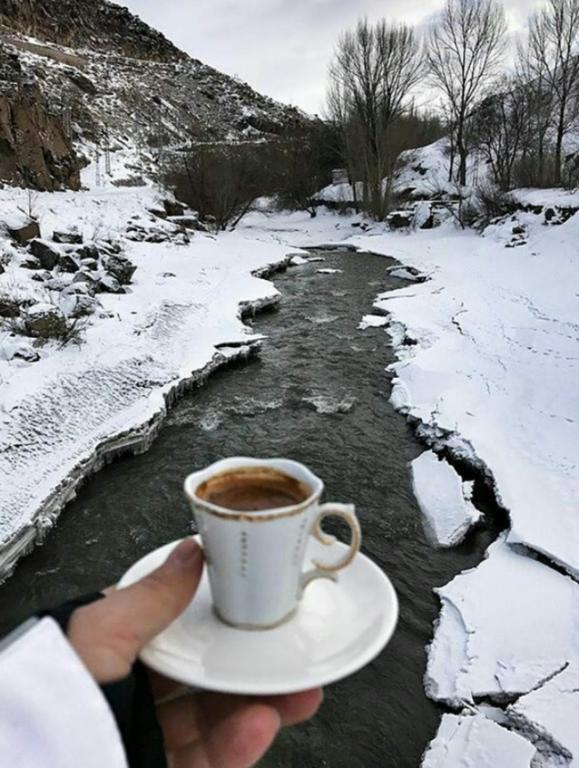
(102, 84)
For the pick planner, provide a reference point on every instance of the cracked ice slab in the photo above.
(443, 498)
(505, 627)
(472, 741)
(551, 715)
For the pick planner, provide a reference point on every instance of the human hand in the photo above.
(204, 730)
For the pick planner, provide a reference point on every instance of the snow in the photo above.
(61, 415)
(492, 373)
(328, 271)
(443, 499)
(505, 627)
(550, 714)
(373, 321)
(472, 741)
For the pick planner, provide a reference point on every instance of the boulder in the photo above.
(109, 284)
(25, 232)
(158, 211)
(399, 219)
(90, 264)
(173, 207)
(91, 279)
(14, 348)
(79, 305)
(45, 321)
(59, 283)
(120, 267)
(9, 307)
(30, 262)
(46, 253)
(87, 251)
(73, 237)
(41, 276)
(68, 263)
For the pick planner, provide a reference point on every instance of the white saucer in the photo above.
(337, 629)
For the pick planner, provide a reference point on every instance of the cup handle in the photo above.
(347, 512)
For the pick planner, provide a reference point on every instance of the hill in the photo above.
(86, 81)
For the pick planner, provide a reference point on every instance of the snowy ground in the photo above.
(488, 351)
(60, 415)
(487, 365)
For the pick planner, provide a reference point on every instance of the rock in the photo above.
(91, 279)
(87, 251)
(13, 348)
(187, 222)
(41, 277)
(90, 264)
(59, 283)
(399, 219)
(45, 321)
(120, 267)
(518, 229)
(77, 289)
(28, 231)
(158, 211)
(68, 263)
(9, 307)
(173, 207)
(73, 237)
(79, 305)
(45, 252)
(30, 262)
(109, 284)
(181, 238)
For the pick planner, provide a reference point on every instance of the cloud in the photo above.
(281, 47)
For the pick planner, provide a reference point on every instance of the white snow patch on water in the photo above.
(373, 321)
(328, 405)
(443, 499)
(328, 271)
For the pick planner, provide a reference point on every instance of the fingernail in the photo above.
(187, 554)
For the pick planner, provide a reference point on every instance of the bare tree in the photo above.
(533, 75)
(374, 69)
(465, 49)
(554, 56)
(500, 129)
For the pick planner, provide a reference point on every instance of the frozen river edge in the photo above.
(135, 435)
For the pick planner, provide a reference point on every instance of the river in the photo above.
(318, 393)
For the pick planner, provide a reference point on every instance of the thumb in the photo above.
(109, 634)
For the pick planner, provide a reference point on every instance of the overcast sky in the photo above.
(283, 47)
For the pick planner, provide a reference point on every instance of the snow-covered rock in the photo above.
(443, 499)
(472, 741)
(504, 628)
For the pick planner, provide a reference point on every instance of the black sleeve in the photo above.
(131, 700)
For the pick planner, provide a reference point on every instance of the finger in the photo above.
(180, 721)
(109, 634)
(296, 707)
(239, 741)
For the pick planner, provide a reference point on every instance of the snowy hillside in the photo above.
(119, 89)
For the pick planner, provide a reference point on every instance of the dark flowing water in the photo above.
(319, 394)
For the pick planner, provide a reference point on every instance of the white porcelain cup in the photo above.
(255, 560)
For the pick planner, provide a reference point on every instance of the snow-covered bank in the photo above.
(61, 417)
(488, 351)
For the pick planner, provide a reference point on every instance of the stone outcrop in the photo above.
(35, 150)
(88, 24)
